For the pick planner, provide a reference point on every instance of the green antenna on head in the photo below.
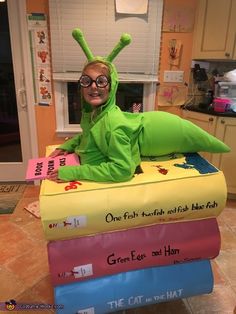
(125, 40)
(79, 37)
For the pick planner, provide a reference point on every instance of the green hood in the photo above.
(125, 40)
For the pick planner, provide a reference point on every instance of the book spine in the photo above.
(135, 288)
(110, 253)
(73, 215)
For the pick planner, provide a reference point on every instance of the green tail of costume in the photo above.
(164, 133)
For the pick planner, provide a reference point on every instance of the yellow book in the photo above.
(170, 189)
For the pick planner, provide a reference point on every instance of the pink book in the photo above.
(39, 168)
(121, 251)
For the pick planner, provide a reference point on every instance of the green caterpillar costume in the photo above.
(112, 143)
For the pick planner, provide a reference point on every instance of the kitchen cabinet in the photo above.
(224, 128)
(226, 132)
(214, 30)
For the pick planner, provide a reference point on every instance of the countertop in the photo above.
(209, 110)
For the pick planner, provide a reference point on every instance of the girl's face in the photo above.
(92, 94)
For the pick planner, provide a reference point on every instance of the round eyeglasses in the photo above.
(101, 81)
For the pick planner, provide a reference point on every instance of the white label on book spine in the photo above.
(76, 222)
(86, 311)
(83, 271)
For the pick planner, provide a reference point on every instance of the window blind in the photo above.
(102, 28)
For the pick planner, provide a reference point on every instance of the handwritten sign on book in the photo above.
(39, 168)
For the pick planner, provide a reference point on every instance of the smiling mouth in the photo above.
(94, 95)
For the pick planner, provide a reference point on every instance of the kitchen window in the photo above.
(102, 26)
(129, 97)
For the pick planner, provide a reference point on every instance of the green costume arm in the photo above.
(119, 166)
(71, 144)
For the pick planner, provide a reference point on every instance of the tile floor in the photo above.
(24, 274)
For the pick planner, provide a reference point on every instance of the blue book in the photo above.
(135, 288)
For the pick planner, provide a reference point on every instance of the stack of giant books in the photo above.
(116, 246)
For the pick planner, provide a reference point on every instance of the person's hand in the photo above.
(58, 152)
(53, 176)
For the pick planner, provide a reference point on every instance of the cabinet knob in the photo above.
(227, 54)
(222, 121)
(211, 119)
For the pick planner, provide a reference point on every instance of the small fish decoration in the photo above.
(161, 169)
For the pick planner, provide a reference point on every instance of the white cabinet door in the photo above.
(226, 132)
(214, 31)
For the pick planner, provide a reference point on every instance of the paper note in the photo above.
(129, 7)
(33, 208)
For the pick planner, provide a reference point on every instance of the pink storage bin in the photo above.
(221, 104)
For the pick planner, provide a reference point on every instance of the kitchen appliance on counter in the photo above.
(226, 90)
(225, 97)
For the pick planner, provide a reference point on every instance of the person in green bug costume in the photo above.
(113, 142)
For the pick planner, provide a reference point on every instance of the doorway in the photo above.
(17, 122)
